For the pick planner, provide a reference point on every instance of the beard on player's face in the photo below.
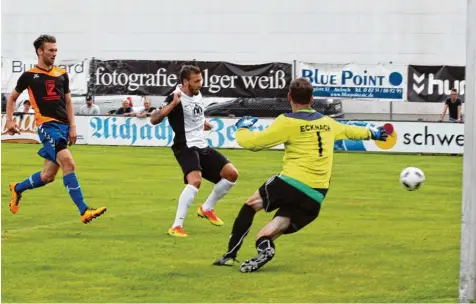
(47, 59)
(194, 90)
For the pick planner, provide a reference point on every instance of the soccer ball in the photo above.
(412, 178)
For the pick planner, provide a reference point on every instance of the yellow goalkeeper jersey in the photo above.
(308, 138)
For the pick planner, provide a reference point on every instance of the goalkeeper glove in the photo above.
(378, 133)
(246, 122)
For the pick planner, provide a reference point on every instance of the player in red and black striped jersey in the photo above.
(50, 97)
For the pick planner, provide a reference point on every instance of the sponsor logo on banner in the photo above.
(220, 79)
(404, 137)
(77, 71)
(410, 137)
(355, 81)
(128, 131)
(434, 83)
(27, 126)
(29, 129)
(139, 132)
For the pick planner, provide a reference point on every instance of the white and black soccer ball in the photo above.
(412, 178)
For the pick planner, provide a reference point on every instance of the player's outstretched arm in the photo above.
(274, 135)
(158, 115)
(344, 131)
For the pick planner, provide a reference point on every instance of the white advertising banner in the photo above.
(405, 137)
(110, 130)
(29, 129)
(128, 131)
(355, 81)
(410, 137)
(77, 69)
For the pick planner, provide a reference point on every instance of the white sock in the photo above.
(184, 203)
(220, 189)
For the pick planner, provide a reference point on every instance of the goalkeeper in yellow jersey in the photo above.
(299, 190)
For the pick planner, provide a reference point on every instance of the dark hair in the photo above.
(40, 41)
(187, 70)
(301, 91)
(27, 101)
(454, 90)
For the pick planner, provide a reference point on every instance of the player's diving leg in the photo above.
(265, 245)
(228, 176)
(36, 180)
(65, 160)
(240, 230)
(194, 180)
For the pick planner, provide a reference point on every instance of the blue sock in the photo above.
(34, 181)
(72, 185)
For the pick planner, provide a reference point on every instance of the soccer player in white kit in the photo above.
(185, 111)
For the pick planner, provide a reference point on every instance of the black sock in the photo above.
(264, 243)
(241, 227)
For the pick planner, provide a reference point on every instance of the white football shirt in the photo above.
(187, 121)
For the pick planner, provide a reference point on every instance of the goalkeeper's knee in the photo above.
(265, 245)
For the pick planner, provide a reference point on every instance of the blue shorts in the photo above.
(455, 120)
(51, 135)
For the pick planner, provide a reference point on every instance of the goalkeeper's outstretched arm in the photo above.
(353, 132)
(344, 131)
(274, 135)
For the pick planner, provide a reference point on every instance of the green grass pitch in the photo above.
(373, 241)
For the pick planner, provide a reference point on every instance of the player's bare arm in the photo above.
(159, 115)
(207, 126)
(73, 136)
(11, 126)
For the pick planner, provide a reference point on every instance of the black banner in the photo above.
(434, 83)
(220, 79)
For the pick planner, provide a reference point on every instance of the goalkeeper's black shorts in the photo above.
(290, 202)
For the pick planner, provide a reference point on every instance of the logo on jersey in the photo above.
(51, 90)
(197, 110)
